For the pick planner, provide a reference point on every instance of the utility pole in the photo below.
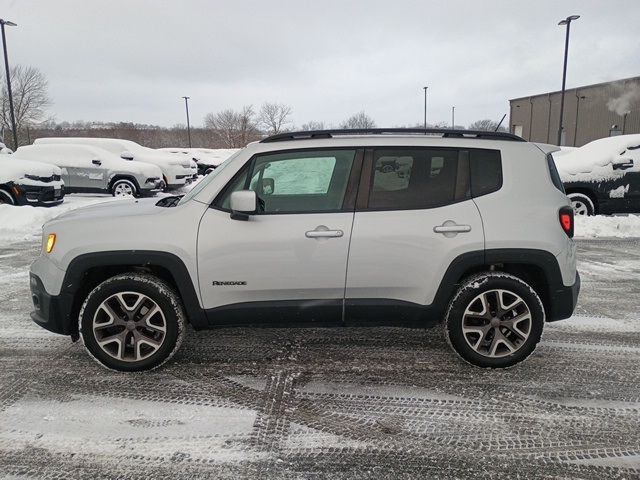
(453, 117)
(425, 107)
(6, 67)
(186, 105)
(567, 21)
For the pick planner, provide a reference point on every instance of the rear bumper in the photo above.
(563, 301)
(147, 191)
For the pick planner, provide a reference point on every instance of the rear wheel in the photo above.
(582, 204)
(123, 188)
(495, 320)
(6, 198)
(132, 322)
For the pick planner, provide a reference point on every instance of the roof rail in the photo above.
(446, 133)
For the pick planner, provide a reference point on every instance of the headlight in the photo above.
(32, 177)
(51, 241)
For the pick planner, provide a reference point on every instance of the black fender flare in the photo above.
(80, 265)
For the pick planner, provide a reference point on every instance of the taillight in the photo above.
(566, 220)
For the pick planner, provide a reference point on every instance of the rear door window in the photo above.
(418, 178)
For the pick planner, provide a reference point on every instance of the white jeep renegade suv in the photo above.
(329, 228)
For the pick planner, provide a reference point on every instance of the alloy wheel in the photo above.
(129, 326)
(123, 189)
(496, 323)
(579, 208)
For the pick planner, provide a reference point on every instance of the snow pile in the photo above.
(594, 161)
(118, 147)
(607, 226)
(207, 156)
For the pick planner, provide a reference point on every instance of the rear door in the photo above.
(414, 216)
(287, 262)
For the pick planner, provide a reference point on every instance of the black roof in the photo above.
(445, 133)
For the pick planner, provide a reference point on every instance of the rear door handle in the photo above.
(451, 227)
(322, 231)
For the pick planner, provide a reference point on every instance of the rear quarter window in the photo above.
(486, 171)
(553, 171)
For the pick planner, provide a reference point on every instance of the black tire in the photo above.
(582, 204)
(121, 185)
(6, 198)
(111, 354)
(460, 326)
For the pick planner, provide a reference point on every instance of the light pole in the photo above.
(6, 67)
(186, 106)
(425, 106)
(567, 21)
(453, 117)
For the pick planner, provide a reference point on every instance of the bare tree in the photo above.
(358, 120)
(486, 124)
(273, 117)
(234, 129)
(312, 125)
(30, 99)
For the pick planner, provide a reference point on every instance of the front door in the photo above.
(414, 216)
(87, 174)
(287, 263)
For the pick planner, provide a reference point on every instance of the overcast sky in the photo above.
(132, 60)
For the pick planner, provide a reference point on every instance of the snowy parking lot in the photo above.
(336, 403)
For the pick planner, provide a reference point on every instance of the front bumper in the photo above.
(48, 309)
(563, 301)
(35, 195)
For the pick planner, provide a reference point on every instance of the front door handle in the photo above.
(322, 231)
(451, 227)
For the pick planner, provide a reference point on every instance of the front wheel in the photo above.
(495, 320)
(124, 188)
(582, 204)
(132, 322)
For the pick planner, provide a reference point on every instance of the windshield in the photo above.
(207, 179)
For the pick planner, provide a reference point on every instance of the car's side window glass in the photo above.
(418, 178)
(295, 181)
(486, 171)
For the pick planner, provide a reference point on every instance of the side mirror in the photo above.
(623, 164)
(126, 155)
(243, 203)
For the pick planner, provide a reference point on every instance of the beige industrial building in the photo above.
(590, 112)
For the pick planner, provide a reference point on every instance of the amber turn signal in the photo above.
(51, 241)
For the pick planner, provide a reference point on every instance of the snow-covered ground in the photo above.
(330, 403)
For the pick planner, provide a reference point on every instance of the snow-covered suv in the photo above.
(472, 230)
(88, 169)
(176, 172)
(603, 176)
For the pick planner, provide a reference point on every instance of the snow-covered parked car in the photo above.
(603, 176)
(87, 169)
(23, 182)
(4, 149)
(208, 159)
(177, 172)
